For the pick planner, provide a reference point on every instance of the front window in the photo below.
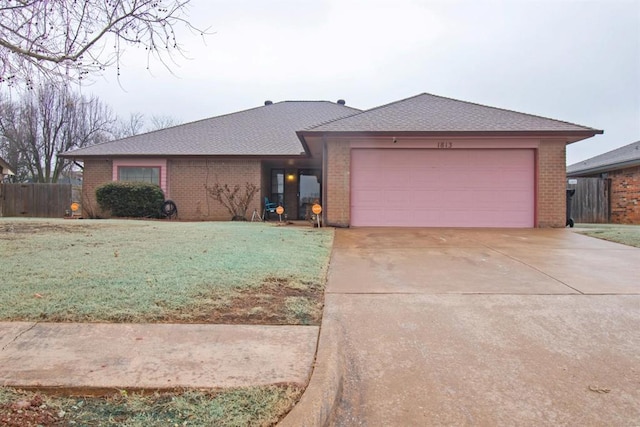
(277, 186)
(139, 174)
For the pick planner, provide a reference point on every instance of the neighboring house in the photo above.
(425, 161)
(5, 170)
(621, 167)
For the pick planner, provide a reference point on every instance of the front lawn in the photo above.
(625, 234)
(161, 271)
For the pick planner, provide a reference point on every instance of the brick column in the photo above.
(338, 182)
(96, 172)
(551, 190)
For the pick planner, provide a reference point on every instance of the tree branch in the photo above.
(59, 39)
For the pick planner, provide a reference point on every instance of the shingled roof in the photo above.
(623, 157)
(430, 113)
(268, 130)
(271, 130)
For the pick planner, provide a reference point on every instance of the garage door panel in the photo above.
(398, 218)
(517, 199)
(396, 181)
(364, 178)
(366, 197)
(442, 188)
(398, 198)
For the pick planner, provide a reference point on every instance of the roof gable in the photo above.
(431, 113)
(268, 130)
(626, 156)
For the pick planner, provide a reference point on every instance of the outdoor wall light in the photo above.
(291, 177)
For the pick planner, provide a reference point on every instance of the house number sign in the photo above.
(445, 144)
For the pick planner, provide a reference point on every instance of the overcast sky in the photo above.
(577, 61)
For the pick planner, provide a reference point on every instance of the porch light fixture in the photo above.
(291, 177)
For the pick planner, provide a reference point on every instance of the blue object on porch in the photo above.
(269, 207)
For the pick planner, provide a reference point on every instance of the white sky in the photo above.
(577, 61)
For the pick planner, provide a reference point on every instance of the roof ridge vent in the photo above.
(341, 101)
(267, 102)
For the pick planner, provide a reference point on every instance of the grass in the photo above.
(255, 406)
(154, 271)
(625, 234)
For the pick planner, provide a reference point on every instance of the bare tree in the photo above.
(124, 128)
(162, 122)
(69, 39)
(135, 125)
(46, 122)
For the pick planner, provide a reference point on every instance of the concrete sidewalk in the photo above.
(476, 327)
(97, 357)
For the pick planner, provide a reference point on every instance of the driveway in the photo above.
(484, 327)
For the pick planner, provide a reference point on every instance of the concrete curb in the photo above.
(317, 405)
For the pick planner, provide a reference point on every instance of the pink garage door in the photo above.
(442, 188)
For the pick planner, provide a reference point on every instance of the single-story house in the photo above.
(621, 167)
(5, 169)
(424, 161)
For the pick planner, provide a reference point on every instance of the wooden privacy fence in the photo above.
(35, 200)
(590, 203)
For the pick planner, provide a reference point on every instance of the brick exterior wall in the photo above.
(187, 179)
(551, 184)
(625, 196)
(96, 172)
(186, 185)
(338, 183)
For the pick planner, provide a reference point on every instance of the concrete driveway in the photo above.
(483, 327)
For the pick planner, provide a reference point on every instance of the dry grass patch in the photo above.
(255, 406)
(277, 301)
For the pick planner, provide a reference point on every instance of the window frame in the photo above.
(161, 163)
(158, 168)
(277, 197)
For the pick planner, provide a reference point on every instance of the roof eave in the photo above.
(604, 168)
(303, 141)
(242, 156)
(7, 168)
(571, 136)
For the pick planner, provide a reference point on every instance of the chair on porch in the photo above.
(269, 207)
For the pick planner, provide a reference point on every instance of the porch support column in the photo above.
(323, 196)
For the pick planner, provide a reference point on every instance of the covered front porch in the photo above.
(294, 184)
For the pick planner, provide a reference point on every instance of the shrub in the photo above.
(130, 199)
(234, 199)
